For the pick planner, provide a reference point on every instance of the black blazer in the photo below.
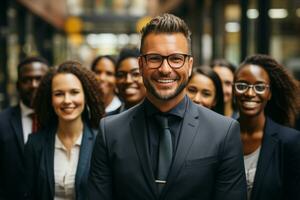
(12, 169)
(39, 152)
(278, 168)
(208, 163)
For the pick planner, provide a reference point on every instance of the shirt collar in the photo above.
(25, 110)
(59, 144)
(178, 110)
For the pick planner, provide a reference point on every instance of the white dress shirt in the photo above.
(26, 120)
(114, 104)
(65, 166)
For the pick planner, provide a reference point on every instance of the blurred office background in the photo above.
(81, 29)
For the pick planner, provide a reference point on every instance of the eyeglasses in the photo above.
(259, 88)
(175, 60)
(134, 73)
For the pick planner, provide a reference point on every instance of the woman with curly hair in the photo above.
(205, 88)
(268, 100)
(69, 107)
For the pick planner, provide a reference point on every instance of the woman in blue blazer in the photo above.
(68, 106)
(267, 98)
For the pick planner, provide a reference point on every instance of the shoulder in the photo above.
(38, 140)
(8, 111)
(209, 117)
(123, 117)
(285, 134)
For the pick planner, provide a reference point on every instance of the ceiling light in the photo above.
(278, 13)
(252, 13)
(232, 27)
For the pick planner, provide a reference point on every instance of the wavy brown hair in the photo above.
(284, 104)
(94, 108)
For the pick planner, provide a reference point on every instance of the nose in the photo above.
(129, 78)
(67, 99)
(165, 68)
(101, 76)
(250, 92)
(35, 83)
(198, 98)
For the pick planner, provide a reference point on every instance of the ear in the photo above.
(18, 85)
(140, 61)
(214, 103)
(269, 95)
(190, 65)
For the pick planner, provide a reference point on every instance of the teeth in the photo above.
(249, 104)
(67, 109)
(165, 81)
(130, 90)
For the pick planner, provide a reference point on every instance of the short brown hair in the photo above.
(94, 108)
(166, 23)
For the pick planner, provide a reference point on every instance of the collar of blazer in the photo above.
(138, 126)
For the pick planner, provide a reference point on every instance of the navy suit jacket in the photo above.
(278, 168)
(39, 152)
(208, 163)
(12, 169)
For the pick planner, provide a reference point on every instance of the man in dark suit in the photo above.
(197, 154)
(15, 126)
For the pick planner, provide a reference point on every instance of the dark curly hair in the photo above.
(94, 108)
(283, 106)
(166, 23)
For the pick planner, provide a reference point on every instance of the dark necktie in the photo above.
(34, 125)
(165, 152)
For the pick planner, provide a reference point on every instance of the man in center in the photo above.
(194, 154)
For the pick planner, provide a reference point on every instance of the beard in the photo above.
(151, 89)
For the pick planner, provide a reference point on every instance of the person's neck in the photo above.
(165, 105)
(108, 99)
(251, 125)
(228, 110)
(70, 129)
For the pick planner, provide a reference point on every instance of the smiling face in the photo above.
(129, 82)
(250, 103)
(29, 79)
(105, 74)
(227, 79)
(165, 83)
(67, 97)
(202, 91)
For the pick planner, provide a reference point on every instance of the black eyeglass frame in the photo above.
(253, 86)
(167, 58)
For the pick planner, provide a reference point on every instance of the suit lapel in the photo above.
(84, 155)
(16, 123)
(139, 133)
(187, 135)
(269, 144)
(49, 159)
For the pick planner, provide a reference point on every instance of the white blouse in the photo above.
(65, 166)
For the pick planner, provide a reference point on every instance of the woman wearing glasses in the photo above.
(129, 80)
(267, 98)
